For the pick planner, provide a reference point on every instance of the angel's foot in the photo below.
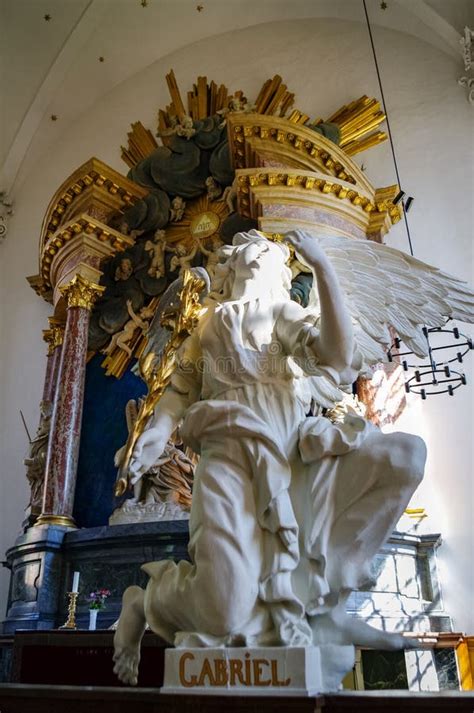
(337, 627)
(128, 636)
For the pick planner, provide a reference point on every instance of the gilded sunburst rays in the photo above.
(202, 220)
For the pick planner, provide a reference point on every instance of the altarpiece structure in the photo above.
(110, 247)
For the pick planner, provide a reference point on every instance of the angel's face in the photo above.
(262, 261)
(124, 269)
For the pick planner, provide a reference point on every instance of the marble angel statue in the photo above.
(288, 509)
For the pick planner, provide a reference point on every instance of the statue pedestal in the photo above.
(297, 671)
(130, 514)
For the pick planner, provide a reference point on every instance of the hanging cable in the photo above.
(438, 377)
(369, 28)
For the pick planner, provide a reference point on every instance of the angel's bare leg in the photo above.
(129, 634)
(112, 345)
(123, 345)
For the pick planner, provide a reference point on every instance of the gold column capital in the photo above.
(81, 292)
(54, 335)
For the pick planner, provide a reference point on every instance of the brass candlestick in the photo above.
(71, 619)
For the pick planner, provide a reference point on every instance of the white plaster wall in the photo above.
(326, 63)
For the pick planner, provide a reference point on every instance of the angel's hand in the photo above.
(307, 248)
(148, 449)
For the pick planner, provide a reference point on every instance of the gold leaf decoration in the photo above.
(185, 319)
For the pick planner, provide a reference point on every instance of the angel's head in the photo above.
(123, 270)
(177, 203)
(253, 267)
(159, 235)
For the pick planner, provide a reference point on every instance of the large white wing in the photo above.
(385, 287)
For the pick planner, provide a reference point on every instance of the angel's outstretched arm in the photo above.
(333, 344)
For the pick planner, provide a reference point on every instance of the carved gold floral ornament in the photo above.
(81, 292)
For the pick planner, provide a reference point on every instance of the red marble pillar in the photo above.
(35, 461)
(54, 339)
(63, 447)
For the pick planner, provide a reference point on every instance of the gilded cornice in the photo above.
(83, 224)
(107, 241)
(384, 203)
(114, 189)
(81, 292)
(253, 136)
(85, 203)
(276, 177)
(373, 213)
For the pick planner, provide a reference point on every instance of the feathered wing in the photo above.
(131, 413)
(158, 335)
(384, 288)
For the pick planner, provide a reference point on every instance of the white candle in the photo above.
(75, 582)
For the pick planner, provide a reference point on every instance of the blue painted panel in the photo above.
(104, 430)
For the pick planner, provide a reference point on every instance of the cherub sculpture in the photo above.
(229, 197)
(178, 206)
(156, 249)
(121, 339)
(235, 104)
(212, 254)
(288, 509)
(125, 229)
(124, 270)
(182, 258)
(181, 127)
(213, 188)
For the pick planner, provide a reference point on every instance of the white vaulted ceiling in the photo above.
(51, 50)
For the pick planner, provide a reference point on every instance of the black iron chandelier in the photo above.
(437, 376)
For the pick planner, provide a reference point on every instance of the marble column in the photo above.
(54, 338)
(63, 447)
(36, 460)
